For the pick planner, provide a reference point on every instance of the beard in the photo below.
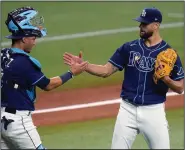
(145, 35)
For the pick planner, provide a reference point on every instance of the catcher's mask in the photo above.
(24, 22)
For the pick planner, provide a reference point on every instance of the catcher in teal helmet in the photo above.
(21, 74)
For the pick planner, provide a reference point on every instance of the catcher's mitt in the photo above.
(164, 64)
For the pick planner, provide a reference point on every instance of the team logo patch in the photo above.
(142, 63)
(143, 14)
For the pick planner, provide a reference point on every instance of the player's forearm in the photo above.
(97, 70)
(58, 81)
(54, 83)
(176, 86)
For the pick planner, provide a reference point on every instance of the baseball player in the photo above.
(21, 74)
(151, 67)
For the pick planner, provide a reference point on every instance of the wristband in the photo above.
(66, 76)
(71, 73)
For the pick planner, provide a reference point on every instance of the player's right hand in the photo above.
(77, 68)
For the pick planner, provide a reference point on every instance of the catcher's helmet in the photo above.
(22, 22)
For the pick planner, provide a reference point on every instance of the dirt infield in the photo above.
(47, 100)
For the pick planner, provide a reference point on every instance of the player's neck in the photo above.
(153, 40)
(19, 46)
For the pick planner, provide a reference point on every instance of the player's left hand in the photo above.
(160, 68)
(164, 64)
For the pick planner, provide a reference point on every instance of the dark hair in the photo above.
(15, 41)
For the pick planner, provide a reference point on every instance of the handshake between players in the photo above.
(76, 63)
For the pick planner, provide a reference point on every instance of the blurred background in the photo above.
(97, 29)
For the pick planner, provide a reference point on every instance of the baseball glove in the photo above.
(164, 64)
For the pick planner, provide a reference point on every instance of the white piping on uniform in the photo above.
(179, 78)
(139, 76)
(115, 64)
(38, 80)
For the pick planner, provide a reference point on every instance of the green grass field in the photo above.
(75, 17)
(97, 134)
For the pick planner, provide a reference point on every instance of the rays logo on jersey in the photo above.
(142, 63)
